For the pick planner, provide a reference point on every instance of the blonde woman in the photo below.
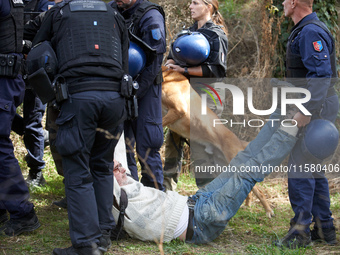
(210, 23)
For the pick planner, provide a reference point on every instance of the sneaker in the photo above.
(324, 234)
(295, 240)
(78, 251)
(61, 203)
(15, 227)
(105, 241)
(3, 216)
(35, 179)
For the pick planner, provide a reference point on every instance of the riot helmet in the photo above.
(137, 59)
(321, 138)
(319, 142)
(42, 55)
(190, 48)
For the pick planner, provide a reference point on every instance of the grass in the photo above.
(249, 232)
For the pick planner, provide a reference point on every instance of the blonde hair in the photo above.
(217, 17)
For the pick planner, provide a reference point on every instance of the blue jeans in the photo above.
(219, 201)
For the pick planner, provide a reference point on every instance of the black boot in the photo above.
(78, 251)
(324, 234)
(3, 216)
(15, 227)
(61, 203)
(35, 178)
(297, 237)
(105, 241)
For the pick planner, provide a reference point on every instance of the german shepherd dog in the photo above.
(177, 95)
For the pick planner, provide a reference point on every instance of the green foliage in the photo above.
(326, 12)
(271, 249)
(231, 8)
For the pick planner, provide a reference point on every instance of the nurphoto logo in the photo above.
(281, 97)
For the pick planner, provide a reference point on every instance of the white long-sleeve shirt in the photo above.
(151, 213)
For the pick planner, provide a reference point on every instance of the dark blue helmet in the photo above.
(137, 59)
(190, 48)
(321, 138)
(42, 55)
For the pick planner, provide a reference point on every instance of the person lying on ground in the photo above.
(153, 215)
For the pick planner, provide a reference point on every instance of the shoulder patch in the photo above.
(156, 34)
(318, 46)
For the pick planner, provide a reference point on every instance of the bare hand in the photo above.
(302, 120)
(176, 68)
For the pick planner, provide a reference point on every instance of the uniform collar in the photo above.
(129, 12)
(309, 17)
(208, 24)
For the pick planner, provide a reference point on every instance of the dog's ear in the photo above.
(164, 68)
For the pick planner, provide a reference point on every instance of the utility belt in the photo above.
(60, 88)
(126, 87)
(190, 230)
(10, 65)
(87, 83)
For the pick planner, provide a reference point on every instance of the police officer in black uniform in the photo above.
(310, 64)
(91, 44)
(146, 23)
(34, 110)
(30, 30)
(14, 193)
(30, 125)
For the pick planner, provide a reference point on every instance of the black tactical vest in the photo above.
(218, 46)
(143, 8)
(12, 29)
(88, 35)
(132, 24)
(294, 65)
